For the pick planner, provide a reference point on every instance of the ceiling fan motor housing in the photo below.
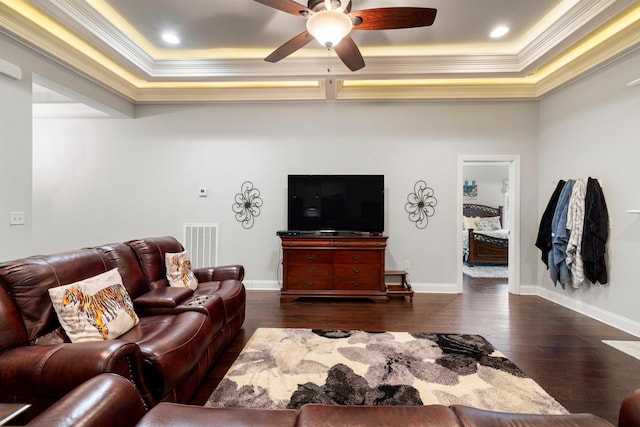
(318, 5)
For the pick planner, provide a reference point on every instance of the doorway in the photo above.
(509, 192)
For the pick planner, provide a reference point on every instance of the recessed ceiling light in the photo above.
(499, 31)
(170, 38)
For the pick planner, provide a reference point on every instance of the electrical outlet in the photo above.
(16, 218)
(202, 192)
(407, 264)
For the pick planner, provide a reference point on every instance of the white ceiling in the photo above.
(118, 44)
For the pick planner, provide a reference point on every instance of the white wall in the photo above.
(16, 137)
(489, 178)
(592, 129)
(101, 180)
(15, 158)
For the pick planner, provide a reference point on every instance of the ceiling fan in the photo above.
(331, 21)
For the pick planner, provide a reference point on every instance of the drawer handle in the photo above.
(311, 257)
(356, 284)
(309, 284)
(356, 270)
(356, 257)
(310, 270)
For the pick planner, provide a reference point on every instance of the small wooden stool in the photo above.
(401, 289)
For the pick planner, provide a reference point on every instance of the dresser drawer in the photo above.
(357, 257)
(357, 271)
(351, 283)
(309, 283)
(310, 270)
(310, 257)
(356, 276)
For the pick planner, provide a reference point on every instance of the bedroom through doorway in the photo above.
(487, 238)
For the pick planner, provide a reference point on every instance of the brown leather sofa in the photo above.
(180, 333)
(109, 400)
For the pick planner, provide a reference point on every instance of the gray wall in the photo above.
(91, 181)
(490, 178)
(100, 180)
(591, 129)
(15, 157)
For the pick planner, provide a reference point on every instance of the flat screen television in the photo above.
(336, 203)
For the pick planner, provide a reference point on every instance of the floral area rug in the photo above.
(287, 368)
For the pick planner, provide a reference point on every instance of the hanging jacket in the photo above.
(543, 242)
(558, 269)
(595, 233)
(575, 225)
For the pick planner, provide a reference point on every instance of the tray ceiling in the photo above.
(118, 43)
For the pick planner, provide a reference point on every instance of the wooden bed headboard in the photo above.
(473, 210)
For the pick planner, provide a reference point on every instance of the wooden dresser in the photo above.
(333, 267)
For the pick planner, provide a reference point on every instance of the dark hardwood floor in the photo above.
(557, 347)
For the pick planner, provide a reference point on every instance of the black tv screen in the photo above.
(349, 203)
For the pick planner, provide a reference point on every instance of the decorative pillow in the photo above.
(469, 222)
(94, 309)
(179, 270)
(488, 224)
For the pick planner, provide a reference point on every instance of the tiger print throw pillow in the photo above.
(179, 270)
(94, 309)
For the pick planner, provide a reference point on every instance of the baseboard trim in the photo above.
(435, 288)
(604, 316)
(262, 285)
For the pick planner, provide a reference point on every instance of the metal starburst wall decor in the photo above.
(247, 204)
(421, 204)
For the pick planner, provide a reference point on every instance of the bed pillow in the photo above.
(489, 224)
(469, 222)
(179, 270)
(95, 309)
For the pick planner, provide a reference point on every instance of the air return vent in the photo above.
(201, 240)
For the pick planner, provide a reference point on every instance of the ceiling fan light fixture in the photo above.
(329, 26)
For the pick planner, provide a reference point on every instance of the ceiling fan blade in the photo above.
(288, 6)
(391, 18)
(289, 47)
(348, 52)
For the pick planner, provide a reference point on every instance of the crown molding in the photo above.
(621, 43)
(24, 31)
(231, 94)
(438, 92)
(81, 17)
(578, 22)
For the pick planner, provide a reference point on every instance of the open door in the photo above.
(505, 194)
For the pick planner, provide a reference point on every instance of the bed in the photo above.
(484, 239)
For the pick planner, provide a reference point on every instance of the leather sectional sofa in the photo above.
(109, 400)
(166, 355)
